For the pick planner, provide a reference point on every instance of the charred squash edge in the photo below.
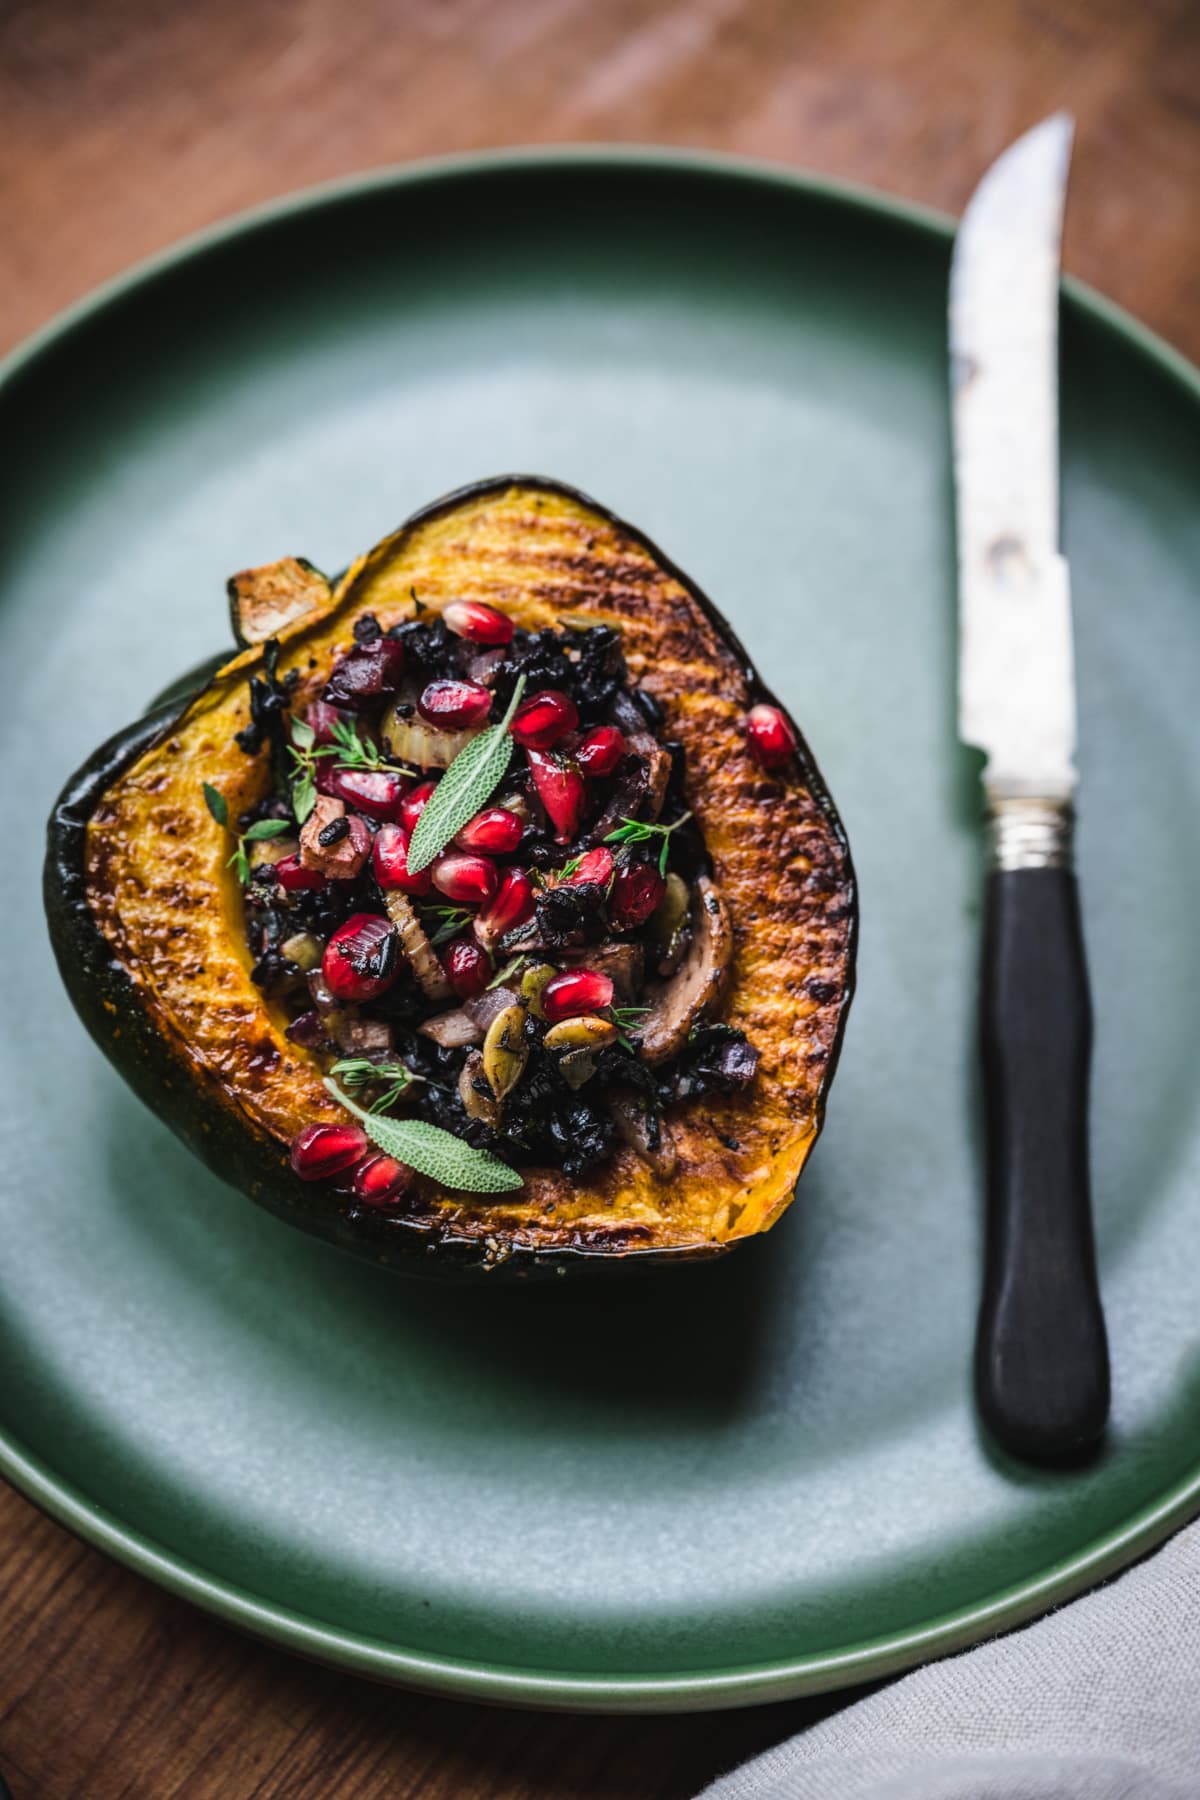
(109, 1002)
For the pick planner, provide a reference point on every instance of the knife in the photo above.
(1041, 1362)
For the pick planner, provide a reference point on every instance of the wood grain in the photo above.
(127, 125)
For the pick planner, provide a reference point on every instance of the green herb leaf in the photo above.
(626, 1019)
(434, 1152)
(636, 831)
(215, 802)
(354, 752)
(304, 797)
(450, 921)
(464, 789)
(508, 971)
(266, 828)
(303, 734)
(241, 862)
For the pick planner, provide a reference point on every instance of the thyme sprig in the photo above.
(626, 1019)
(354, 752)
(358, 1072)
(349, 750)
(636, 831)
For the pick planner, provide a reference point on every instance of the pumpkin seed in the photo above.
(532, 983)
(505, 1051)
(589, 1032)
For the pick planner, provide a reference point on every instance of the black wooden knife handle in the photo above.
(1041, 1364)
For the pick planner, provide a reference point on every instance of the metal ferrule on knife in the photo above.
(1030, 833)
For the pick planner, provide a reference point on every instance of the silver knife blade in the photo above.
(1016, 691)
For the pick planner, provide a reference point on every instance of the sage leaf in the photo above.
(464, 789)
(434, 1152)
(215, 802)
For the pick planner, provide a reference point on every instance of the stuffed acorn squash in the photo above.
(484, 912)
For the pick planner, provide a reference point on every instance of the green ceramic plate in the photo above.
(733, 1483)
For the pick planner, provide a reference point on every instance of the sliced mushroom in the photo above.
(452, 1030)
(650, 782)
(638, 1127)
(697, 985)
(422, 956)
(478, 1100)
(628, 799)
(669, 926)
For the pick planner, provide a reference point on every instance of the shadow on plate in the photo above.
(686, 1342)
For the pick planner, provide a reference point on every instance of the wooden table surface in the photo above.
(128, 124)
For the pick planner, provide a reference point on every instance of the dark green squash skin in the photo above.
(109, 1003)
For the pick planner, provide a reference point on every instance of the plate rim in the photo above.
(484, 1680)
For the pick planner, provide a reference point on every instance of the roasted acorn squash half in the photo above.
(148, 918)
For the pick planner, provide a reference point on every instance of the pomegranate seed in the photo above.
(308, 1030)
(321, 1150)
(365, 672)
(543, 719)
(561, 791)
(495, 831)
(771, 737)
(454, 705)
(475, 620)
(467, 968)
(322, 718)
(413, 805)
(380, 1180)
(293, 877)
(376, 792)
(573, 992)
(362, 958)
(389, 859)
(513, 906)
(598, 752)
(460, 876)
(327, 779)
(594, 869)
(636, 890)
